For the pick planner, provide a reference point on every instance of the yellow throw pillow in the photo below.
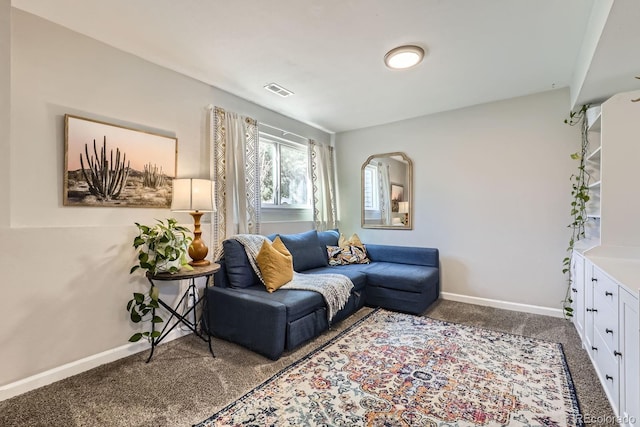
(275, 263)
(353, 240)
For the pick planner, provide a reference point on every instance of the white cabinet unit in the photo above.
(605, 267)
(610, 335)
(629, 359)
(578, 292)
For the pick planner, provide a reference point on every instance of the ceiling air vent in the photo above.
(278, 90)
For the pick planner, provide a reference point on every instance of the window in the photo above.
(284, 171)
(371, 193)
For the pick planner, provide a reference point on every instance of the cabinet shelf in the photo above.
(593, 162)
(594, 156)
(594, 115)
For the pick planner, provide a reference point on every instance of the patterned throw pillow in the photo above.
(361, 254)
(354, 246)
(347, 255)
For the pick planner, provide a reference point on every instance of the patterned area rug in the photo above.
(393, 369)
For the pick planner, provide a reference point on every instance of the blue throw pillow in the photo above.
(329, 237)
(306, 249)
(239, 271)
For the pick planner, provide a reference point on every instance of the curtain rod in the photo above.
(284, 132)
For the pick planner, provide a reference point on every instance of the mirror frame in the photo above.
(408, 192)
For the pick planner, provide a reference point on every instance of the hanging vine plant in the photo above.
(580, 197)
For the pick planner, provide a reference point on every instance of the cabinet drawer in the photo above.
(606, 324)
(605, 292)
(606, 365)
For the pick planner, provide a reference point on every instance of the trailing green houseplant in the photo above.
(162, 248)
(580, 197)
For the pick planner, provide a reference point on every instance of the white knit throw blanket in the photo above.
(334, 288)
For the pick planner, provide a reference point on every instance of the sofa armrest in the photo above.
(220, 278)
(256, 323)
(404, 255)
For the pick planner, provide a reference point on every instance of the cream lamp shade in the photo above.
(192, 194)
(196, 197)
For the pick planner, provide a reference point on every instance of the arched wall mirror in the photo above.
(387, 192)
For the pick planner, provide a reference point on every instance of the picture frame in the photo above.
(397, 196)
(107, 165)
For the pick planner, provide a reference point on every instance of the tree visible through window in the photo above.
(284, 169)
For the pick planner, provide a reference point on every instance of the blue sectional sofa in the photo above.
(240, 310)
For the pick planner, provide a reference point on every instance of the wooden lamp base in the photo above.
(197, 249)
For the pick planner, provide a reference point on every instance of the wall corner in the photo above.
(5, 111)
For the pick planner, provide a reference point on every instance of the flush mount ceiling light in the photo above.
(404, 57)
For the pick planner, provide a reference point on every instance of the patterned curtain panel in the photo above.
(384, 193)
(322, 163)
(235, 170)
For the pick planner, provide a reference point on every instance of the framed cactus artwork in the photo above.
(115, 166)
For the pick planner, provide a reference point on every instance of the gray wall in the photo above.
(65, 270)
(491, 192)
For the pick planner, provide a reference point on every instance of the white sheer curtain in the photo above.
(235, 170)
(384, 193)
(321, 161)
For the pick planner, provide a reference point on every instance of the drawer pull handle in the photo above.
(594, 279)
(594, 348)
(595, 310)
(608, 294)
(609, 377)
(574, 290)
(609, 331)
(617, 353)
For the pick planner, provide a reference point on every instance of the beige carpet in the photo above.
(184, 385)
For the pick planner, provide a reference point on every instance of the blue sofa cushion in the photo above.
(239, 271)
(352, 271)
(298, 303)
(329, 237)
(403, 255)
(403, 277)
(306, 250)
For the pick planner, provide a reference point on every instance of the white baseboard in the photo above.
(506, 305)
(90, 362)
(73, 368)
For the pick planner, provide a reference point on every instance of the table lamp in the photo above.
(403, 208)
(196, 197)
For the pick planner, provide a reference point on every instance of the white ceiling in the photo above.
(330, 52)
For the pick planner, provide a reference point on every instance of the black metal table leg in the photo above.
(183, 318)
